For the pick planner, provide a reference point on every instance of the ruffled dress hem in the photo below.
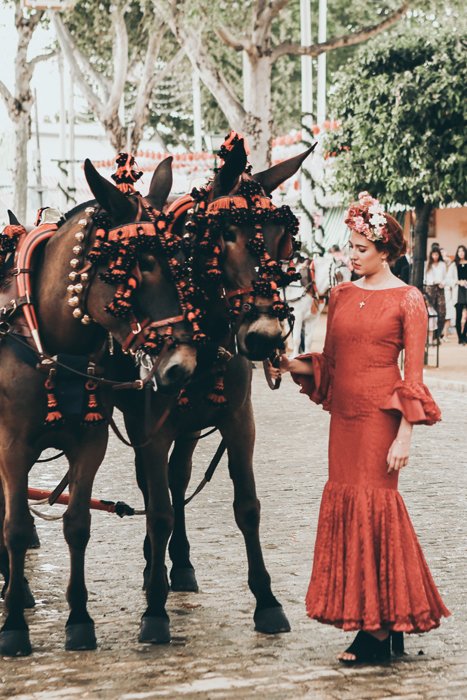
(369, 571)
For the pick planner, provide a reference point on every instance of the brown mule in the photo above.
(255, 334)
(23, 434)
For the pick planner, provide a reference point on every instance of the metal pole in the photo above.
(321, 90)
(62, 122)
(39, 186)
(307, 111)
(71, 134)
(197, 117)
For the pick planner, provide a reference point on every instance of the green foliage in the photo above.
(401, 102)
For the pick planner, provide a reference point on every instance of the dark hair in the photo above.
(334, 249)
(430, 257)
(457, 258)
(396, 245)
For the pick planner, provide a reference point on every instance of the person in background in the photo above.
(450, 308)
(435, 281)
(457, 280)
(401, 268)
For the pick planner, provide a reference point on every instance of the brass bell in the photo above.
(77, 313)
(77, 250)
(82, 222)
(78, 288)
(89, 210)
(73, 276)
(74, 263)
(79, 236)
(86, 320)
(84, 276)
(71, 288)
(73, 301)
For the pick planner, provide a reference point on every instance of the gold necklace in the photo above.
(364, 301)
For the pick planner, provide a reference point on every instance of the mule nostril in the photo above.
(176, 374)
(259, 346)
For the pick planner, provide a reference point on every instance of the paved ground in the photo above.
(215, 652)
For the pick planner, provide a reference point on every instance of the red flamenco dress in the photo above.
(369, 571)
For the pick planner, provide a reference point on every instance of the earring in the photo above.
(384, 263)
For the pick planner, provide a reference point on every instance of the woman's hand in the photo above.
(296, 366)
(274, 372)
(398, 455)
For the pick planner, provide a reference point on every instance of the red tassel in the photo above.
(216, 396)
(183, 401)
(54, 416)
(93, 415)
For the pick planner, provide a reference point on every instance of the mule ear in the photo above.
(233, 167)
(273, 177)
(13, 220)
(161, 184)
(108, 196)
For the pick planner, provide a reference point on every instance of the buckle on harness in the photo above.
(4, 328)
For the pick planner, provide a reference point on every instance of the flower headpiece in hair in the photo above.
(367, 217)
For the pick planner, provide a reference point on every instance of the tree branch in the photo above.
(120, 61)
(8, 98)
(146, 84)
(239, 43)
(69, 49)
(42, 57)
(200, 59)
(292, 49)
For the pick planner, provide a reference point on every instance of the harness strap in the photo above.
(209, 471)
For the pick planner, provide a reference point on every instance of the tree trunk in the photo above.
(422, 213)
(22, 135)
(257, 124)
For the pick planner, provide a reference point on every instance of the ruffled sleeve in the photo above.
(318, 386)
(410, 396)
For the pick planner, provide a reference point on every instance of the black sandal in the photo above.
(368, 650)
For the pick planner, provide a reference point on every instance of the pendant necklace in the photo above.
(364, 301)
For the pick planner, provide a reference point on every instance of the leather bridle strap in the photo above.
(137, 333)
(238, 292)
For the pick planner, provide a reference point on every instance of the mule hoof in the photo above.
(80, 637)
(34, 542)
(183, 580)
(155, 630)
(271, 621)
(15, 643)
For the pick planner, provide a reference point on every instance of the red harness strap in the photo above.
(23, 271)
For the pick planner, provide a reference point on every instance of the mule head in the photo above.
(133, 293)
(254, 237)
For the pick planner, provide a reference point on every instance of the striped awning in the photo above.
(335, 231)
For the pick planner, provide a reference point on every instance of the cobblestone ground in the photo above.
(215, 653)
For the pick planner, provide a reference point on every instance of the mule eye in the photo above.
(147, 263)
(230, 236)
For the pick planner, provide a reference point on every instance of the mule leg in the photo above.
(239, 434)
(152, 464)
(84, 460)
(310, 325)
(17, 528)
(182, 574)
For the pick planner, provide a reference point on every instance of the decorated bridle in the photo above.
(119, 248)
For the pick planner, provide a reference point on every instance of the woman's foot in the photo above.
(367, 647)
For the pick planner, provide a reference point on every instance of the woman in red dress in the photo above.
(369, 572)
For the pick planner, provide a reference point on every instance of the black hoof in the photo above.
(34, 542)
(81, 637)
(155, 630)
(271, 621)
(15, 643)
(183, 580)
